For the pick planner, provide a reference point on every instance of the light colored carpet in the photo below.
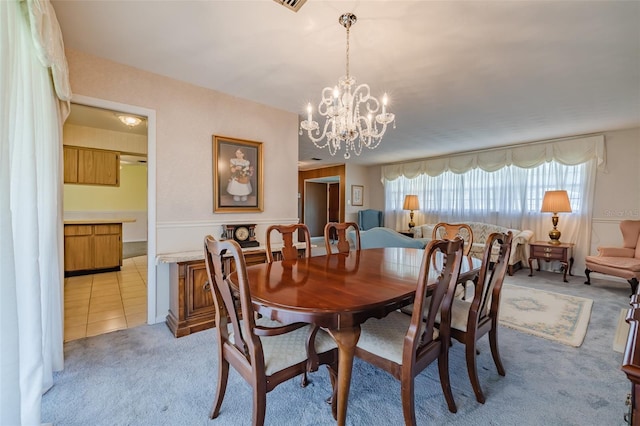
(553, 316)
(144, 376)
(622, 332)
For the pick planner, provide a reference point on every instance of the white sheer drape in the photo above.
(31, 117)
(510, 197)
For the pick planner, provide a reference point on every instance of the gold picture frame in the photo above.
(357, 195)
(237, 175)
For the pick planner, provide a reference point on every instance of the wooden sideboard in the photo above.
(631, 360)
(191, 307)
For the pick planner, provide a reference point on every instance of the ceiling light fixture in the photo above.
(342, 105)
(129, 120)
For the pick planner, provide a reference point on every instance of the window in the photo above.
(504, 197)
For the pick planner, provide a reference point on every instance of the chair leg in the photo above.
(586, 273)
(443, 370)
(470, 352)
(408, 398)
(333, 400)
(493, 342)
(259, 402)
(223, 376)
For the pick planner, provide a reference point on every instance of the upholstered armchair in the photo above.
(370, 218)
(622, 262)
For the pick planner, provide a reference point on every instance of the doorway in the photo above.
(321, 203)
(127, 297)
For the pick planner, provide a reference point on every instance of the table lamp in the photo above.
(555, 202)
(411, 203)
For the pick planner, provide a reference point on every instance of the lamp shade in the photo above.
(555, 202)
(411, 203)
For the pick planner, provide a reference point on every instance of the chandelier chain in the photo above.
(348, 51)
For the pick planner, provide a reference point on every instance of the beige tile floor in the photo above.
(100, 303)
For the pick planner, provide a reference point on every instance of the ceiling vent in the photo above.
(294, 5)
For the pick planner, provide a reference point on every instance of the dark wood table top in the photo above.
(337, 290)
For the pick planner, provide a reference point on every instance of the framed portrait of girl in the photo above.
(237, 175)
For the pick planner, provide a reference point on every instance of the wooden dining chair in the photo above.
(339, 230)
(449, 231)
(289, 250)
(405, 345)
(264, 352)
(470, 320)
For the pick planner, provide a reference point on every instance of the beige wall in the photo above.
(186, 118)
(104, 139)
(617, 193)
(356, 175)
(130, 195)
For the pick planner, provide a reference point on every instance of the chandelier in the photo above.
(351, 113)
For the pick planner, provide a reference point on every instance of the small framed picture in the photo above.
(357, 195)
(237, 175)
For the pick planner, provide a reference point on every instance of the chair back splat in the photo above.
(289, 251)
(254, 345)
(405, 345)
(450, 231)
(339, 231)
(470, 320)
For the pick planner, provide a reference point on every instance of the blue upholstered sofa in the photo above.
(385, 237)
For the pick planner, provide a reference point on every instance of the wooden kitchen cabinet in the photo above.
(90, 247)
(90, 166)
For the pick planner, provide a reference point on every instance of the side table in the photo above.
(406, 233)
(542, 250)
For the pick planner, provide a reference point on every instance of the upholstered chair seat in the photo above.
(283, 350)
(385, 336)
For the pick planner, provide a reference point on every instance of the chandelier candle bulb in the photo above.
(384, 104)
(309, 116)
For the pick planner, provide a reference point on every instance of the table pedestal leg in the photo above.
(346, 338)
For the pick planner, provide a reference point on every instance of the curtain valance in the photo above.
(567, 151)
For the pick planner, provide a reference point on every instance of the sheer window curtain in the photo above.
(510, 197)
(34, 103)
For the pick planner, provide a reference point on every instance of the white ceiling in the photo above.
(461, 75)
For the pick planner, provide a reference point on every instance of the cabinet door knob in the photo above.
(206, 286)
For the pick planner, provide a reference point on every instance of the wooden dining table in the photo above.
(338, 292)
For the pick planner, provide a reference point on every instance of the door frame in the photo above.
(151, 188)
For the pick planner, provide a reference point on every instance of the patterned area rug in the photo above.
(554, 316)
